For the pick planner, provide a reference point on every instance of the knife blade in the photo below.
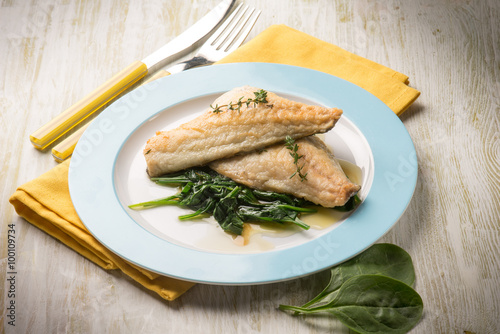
(129, 76)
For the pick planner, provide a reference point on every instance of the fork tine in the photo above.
(244, 31)
(234, 27)
(227, 38)
(223, 30)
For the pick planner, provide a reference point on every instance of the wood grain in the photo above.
(54, 52)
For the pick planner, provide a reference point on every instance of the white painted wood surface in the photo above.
(53, 52)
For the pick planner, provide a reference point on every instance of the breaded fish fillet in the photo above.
(270, 170)
(213, 136)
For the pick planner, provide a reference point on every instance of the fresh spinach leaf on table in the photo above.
(380, 259)
(372, 304)
(371, 293)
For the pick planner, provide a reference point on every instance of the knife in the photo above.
(105, 93)
(65, 148)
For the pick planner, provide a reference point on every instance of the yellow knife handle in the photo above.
(73, 116)
(65, 148)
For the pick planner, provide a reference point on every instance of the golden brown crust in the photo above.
(270, 170)
(213, 136)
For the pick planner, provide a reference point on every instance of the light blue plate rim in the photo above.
(92, 188)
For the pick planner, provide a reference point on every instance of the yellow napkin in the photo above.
(45, 202)
(284, 45)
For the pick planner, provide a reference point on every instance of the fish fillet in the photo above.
(213, 136)
(270, 170)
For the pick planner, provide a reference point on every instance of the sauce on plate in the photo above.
(255, 236)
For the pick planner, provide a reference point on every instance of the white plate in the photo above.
(107, 173)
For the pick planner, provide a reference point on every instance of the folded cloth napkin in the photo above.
(284, 45)
(45, 201)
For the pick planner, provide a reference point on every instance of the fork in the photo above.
(227, 38)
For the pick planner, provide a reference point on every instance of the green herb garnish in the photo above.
(208, 193)
(371, 293)
(260, 97)
(293, 148)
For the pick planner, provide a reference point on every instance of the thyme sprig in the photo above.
(260, 97)
(293, 148)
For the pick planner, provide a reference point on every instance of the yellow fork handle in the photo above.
(65, 148)
(73, 116)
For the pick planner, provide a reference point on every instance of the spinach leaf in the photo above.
(350, 205)
(370, 293)
(270, 196)
(372, 304)
(206, 192)
(225, 213)
(382, 259)
(273, 213)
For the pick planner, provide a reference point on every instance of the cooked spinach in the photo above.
(371, 293)
(350, 205)
(206, 192)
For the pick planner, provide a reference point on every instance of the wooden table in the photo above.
(53, 52)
